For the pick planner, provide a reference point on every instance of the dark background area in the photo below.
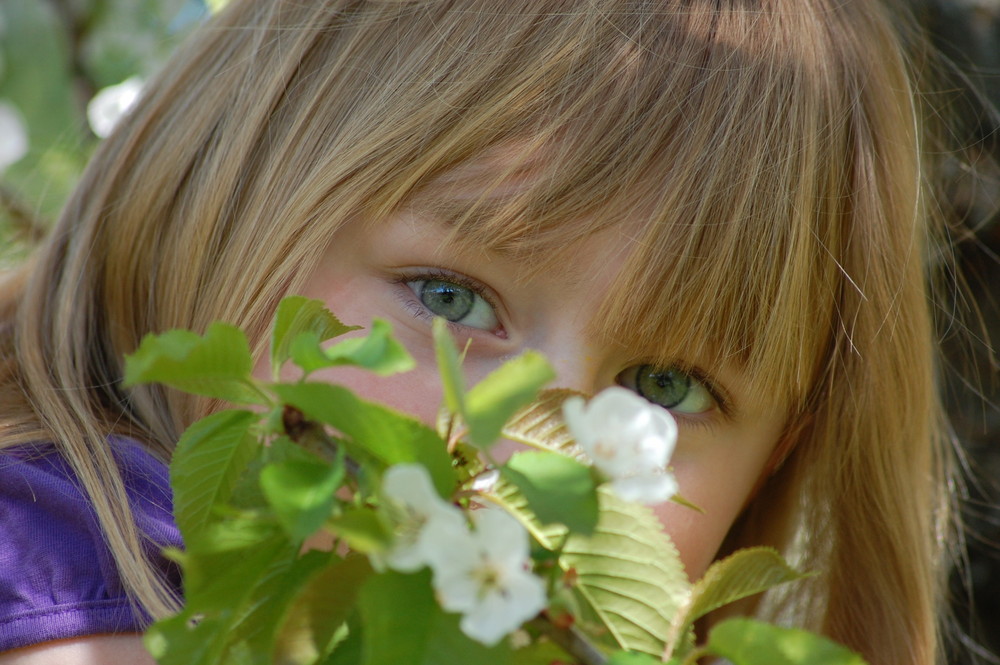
(968, 32)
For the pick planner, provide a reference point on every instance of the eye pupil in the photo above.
(448, 300)
(666, 387)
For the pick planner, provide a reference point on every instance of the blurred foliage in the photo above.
(55, 55)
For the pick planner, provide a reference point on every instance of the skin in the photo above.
(378, 271)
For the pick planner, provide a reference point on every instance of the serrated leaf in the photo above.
(507, 496)
(495, 399)
(373, 431)
(302, 493)
(217, 364)
(745, 573)
(296, 315)
(273, 596)
(558, 489)
(224, 562)
(630, 574)
(208, 461)
(541, 425)
(449, 367)
(378, 352)
(748, 642)
(318, 610)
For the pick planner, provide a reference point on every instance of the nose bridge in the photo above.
(575, 359)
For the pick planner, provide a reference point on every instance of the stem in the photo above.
(570, 640)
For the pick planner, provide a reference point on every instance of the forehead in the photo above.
(681, 286)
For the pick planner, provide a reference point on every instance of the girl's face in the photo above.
(398, 271)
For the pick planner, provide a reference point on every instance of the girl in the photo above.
(720, 205)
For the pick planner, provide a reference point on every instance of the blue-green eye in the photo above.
(455, 302)
(669, 387)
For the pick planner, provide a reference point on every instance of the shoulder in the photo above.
(57, 577)
(93, 650)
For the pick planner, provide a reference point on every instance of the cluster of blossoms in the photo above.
(482, 571)
(629, 440)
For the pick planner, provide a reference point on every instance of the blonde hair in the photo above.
(767, 155)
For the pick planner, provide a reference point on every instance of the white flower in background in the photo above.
(413, 503)
(13, 136)
(628, 439)
(110, 104)
(484, 574)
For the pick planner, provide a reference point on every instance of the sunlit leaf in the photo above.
(378, 352)
(217, 364)
(749, 642)
(372, 430)
(449, 367)
(629, 573)
(210, 456)
(492, 401)
(540, 424)
(318, 610)
(745, 573)
(296, 315)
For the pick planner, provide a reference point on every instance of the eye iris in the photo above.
(451, 301)
(666, 387)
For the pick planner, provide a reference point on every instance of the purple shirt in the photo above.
(57, 576)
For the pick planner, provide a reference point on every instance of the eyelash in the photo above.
(419, 310)
(412, 303)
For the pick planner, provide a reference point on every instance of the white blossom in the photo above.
(485, 574)
(110, 104)
(13, 136)
(628, 439)
(413, 503)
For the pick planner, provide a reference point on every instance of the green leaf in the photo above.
(632, 658)
(629, 573)
(506, 494)
(318, 610)
(423, 634)
(179, 640)
(558, 489)
(217, 364)
(274, 595)
(223, 562)
(749, 642)
(208, 461)
(302, 493)
(492, 402)
(362, 530)
(297, 315)
(378, 352)
(745, 573)
(373, 431)
(450, 367)
(541, 424)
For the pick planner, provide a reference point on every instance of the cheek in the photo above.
(718, 479)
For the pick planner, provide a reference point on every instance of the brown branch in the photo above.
(24, 222)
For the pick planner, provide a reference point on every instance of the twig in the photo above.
(570, 640)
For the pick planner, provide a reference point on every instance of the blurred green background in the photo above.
(56, 56)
